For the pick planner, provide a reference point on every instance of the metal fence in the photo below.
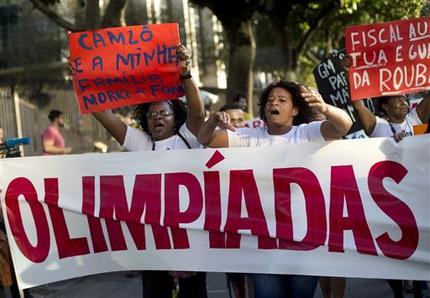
(7, 113)
(80, 131)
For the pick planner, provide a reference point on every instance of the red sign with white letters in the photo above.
(389, 58)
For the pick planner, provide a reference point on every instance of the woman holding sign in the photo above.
(167, 125)
(398, 120)
(288, 109)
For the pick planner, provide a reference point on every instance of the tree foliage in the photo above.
(287, 37)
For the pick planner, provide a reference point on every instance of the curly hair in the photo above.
(179, 108)
(305, 114)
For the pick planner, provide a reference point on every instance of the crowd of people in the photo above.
(293, 114)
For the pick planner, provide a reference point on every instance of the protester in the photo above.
(7, 276)
(6, 269)
(332, 286)
(52, 140)
(236, 114)
(243, 104)
(398, 120)
(237, 281)
(286, 107)
(166, 125)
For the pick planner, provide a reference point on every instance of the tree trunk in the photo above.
(92, 15)
(291, 62)
(135, 13)
(112, 16)
(241, 61)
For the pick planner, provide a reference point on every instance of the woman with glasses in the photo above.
(166, 125)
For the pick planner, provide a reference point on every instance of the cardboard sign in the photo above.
(389, 58)
(122, 66)
(332, 82)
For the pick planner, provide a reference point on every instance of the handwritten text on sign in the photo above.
(389, 58)
(332, 83)
(126, 65)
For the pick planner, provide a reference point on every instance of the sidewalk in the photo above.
(121, 284)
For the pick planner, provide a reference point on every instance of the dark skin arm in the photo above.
(113, 124)
(196, 114)
(215, 139)
(367, 118)
(195, 118)
(423, 109)
(338, 122)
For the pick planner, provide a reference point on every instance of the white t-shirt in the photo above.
(260, 137)
(383, 129)
(138, 140)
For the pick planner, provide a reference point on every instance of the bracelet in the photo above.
(186, 76)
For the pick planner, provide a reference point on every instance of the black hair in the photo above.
(238, 96)
(305, 114)
(179, 108)
(230, 106)
(54, 114)
(382, 100)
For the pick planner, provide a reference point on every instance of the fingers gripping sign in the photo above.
(184, 57)
(314, 99)
(399, 136)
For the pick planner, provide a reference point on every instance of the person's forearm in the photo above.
(113, 125)
(51, 149)
(423, 109)
(206, 133)
(367, 119)
(195, 104)
(339, 119)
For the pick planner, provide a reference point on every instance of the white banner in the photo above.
(355, 208)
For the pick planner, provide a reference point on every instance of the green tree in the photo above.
(304, 32)
(331, 35)
(28, 41)
(93, 17)
(236, 18)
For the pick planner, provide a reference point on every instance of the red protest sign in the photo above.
(124, 66)
(389, 58)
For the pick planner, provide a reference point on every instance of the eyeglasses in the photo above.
(154, 114)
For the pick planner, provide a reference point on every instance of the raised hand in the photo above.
(222, 120)
(184, 57)
(314, 99)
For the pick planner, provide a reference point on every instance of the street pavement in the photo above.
(121, 284)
